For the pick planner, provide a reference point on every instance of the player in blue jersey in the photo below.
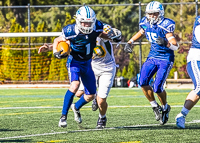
(82, 39)
(160, 33)
(193, 69)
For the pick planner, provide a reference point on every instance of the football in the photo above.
(63, 46)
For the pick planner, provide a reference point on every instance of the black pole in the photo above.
(140, 49)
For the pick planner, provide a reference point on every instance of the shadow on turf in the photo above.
(8, 130)
(15, 141)
(146, 127)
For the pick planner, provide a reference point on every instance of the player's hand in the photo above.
(59, 55)
(128, 48)
(117, 39)
(115, 35)
(45, 48)
(161, 41)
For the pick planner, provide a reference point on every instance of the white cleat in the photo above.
(180, 121)
(62, 121)
(77, 115)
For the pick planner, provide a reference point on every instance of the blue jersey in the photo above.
(152, 32)
(195, 43)
(82, 45)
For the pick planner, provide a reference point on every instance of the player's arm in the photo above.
(45, 48)
(111, 34)
(172, 43)
(57, 54)
(137, 36)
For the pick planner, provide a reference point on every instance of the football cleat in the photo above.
(77, 115)
(157, 111)
(94, 104)
(62, 121)
(165, 115)
(101, 123)
(180, 121)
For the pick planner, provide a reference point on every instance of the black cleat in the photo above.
(165, 115)
(101, 123)
(94, 104)
(157, 111)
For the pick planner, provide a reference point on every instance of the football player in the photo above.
(193, 69)
(104, 67)
(81, 37)
(160, 33)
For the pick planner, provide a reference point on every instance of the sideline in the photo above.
(34, 86)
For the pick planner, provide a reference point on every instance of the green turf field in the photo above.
(32, 115)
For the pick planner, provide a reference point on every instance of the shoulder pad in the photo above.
(143, 22)
(69, 31)
(167, 25)
(99, 26)
(197, 21)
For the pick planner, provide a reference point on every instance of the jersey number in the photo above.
(152, 37)
(87, 49)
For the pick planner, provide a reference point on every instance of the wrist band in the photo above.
(131, 41)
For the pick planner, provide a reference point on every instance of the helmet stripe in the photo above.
(87, 11)
(152, 3)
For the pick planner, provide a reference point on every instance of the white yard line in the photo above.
(43, 107)
(88, 130)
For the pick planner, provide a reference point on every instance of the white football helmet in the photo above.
(154, 7)
(85, 16)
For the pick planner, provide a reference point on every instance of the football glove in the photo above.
(115, 35)
(128, 48)
(161, 41)
(59, 55)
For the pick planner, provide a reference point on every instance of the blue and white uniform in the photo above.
(160, 58)
(79, 60)
(193, 58)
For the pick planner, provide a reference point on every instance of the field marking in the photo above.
(60, 107)
(88, 130)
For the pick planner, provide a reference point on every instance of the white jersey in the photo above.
(103, 57)
(104, 67)
(194, 52)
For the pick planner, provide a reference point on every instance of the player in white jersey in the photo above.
(193, 69)
(104, 67)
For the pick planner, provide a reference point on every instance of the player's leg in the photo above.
(193, 69)
(162, 74)
(73, 72)
(89, 82)
(148, 70)
(105, 84)
(80, 91)
(94, 101)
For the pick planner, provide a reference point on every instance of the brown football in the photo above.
(63, 46)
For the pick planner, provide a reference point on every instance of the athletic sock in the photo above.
(80, 103)
(102, 116)
(184, 111)
(67, 102)
(164, 107)
(154, 103)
